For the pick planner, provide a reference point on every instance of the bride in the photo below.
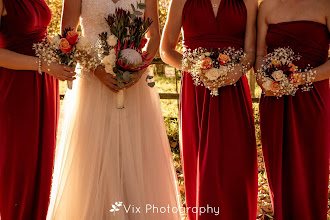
(105, 155)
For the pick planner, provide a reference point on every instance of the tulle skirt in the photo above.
(107, 155)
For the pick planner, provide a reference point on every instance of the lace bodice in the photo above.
(94, 12)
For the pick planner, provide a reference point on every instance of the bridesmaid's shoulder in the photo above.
(326, 4)
(266, 5)
(178, 4)
(251, 3)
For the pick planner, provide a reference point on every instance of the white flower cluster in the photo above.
(109, 61)
(209, 72)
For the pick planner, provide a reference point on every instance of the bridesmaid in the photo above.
(295, 130)
(218, 137)
(28, 111)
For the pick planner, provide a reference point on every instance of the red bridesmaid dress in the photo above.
(28, 117)
(295, 129)
(217, 133)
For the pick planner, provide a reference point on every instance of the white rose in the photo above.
(278, 75)
(109, 60)
(112, 59)
(223, 71)
(267, 84)
(83, 43)
(105, 60)
(56, 41)
(112, 51)
(109, 69)
(112, 40)
(213, 74)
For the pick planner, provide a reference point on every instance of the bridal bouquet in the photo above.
(66, 49)
(121, 48)
(210, 68)
(280, 75)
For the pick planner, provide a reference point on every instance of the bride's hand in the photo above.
(233, 76)
(107, 79)
(135, 80)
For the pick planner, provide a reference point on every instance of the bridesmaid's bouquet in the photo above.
(66, 49)
(210, 68)
(121, 49)
(280, 75)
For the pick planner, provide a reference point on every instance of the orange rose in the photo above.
(207, 63)
(293, 68)
(65, 46)
(295, 78)
(275, 86)
(72, 37)
(223, 59)
(276, 63)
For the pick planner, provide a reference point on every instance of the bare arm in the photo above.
(71, 14)
(250, 34)
(17, 61)
(171, 35)
(249, 44)
(153, 34)
(323, 71)
(261, 40)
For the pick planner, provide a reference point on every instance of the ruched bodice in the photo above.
(25, 23)
(202, 29)
(309, 39)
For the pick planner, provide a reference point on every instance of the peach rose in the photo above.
(223, 59)
(295, 78)
(213, 74)
(207, 63)
(65, 46)
(293, 68)
(276, 63)
(267, 84)
(72, 37)
(278, 75)
(275, 86)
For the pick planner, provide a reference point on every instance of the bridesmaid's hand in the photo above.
(233, 76)
(298, 79)
(58, 71)
(107, 79)
(270, 93)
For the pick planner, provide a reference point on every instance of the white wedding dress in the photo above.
(106, 155)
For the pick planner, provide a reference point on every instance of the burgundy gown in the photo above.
(295, 130)
(28, 117)
(217, 133)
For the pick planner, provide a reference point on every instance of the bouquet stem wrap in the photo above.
(70, 83)
(120, 99)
